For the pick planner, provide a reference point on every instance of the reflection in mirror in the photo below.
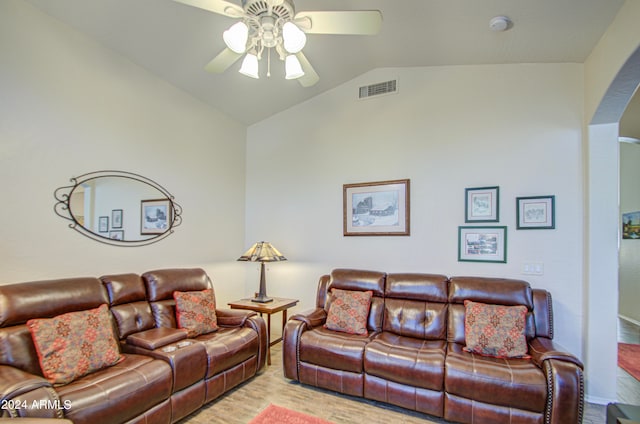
(119, 208)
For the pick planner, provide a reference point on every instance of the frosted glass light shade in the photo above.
(250, 66)
(292, 67)
(294, 38)
(236, 37)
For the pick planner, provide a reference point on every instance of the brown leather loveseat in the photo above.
(414, 355)
(162, 373)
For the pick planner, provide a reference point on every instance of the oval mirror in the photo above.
(118, 208)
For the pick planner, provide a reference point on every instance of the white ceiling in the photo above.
(175, 42)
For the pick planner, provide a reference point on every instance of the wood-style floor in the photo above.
(243, 403)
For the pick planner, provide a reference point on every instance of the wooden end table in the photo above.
(279, 304)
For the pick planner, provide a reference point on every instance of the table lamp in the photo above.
(262, 252)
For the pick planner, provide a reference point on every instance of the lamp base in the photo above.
(262, 299)
(261, 296)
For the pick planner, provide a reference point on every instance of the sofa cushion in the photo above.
(74, 344)
(495, 330)
(406, 360)
(510, 382)
(120, 393)
(349, 311)
(196, 311)
(333, 349)
(229, 347)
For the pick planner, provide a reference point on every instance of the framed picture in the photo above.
(376, 208)
(482, 244)
(535, 213)
(116, 218)
(155, 216)
(103, 224)
(482, 204)
(116, 235)
(631, 225)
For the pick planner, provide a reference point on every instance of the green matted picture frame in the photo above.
(536, 213)
(482, 204)
(482, 244)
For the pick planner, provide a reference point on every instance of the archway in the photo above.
(602, 261)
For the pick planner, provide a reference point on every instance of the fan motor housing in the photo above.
(258, 8)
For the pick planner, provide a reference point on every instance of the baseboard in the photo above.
(631, 320)
(599, 400)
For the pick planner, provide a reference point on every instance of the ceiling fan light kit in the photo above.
(292, 67)
(236, 37)
(273, 24)
(250, 66)
(294, 39)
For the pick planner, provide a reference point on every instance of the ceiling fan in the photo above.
(274, 24)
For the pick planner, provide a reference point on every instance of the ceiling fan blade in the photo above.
(310, 76)
(221, 63)
(221, 7)
(356, 22)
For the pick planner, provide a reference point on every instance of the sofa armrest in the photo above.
(27, 395)
(293, 330)
(565, 381)
(14, 382)
(312, 317)
(233, 317)
(542, 349)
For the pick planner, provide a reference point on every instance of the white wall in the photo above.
(70, 106)
(448, 128)
(611, 78)
(629, 296)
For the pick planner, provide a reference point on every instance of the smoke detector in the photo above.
(500, 23)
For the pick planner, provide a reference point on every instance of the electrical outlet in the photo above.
(533, 268)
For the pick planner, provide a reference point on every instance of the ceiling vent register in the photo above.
(378, 89)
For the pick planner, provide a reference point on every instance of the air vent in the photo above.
(378, 89)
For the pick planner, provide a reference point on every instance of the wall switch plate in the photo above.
(533, 268)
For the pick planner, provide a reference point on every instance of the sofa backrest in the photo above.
(128, 303)
(496, 291)
(160, 285)
(416, 305)
(358, 280)
(40, 299)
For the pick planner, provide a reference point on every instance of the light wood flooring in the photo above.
(243, 403)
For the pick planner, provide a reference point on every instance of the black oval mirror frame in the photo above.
(158, 216)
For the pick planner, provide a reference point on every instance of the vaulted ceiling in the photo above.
(175, 41)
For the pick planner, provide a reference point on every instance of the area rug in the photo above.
(629, 359)
(274, 414)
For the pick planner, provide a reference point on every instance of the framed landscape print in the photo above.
(482, 204)
(631, 225)
(376, 208)
(116, 235)
(155, 216)
(482, 244)
(535, 213)
(116, 218)
(103, 224)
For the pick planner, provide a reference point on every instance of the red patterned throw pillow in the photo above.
(349, 311)
(495, 330)
(74, 344)
(196, 311)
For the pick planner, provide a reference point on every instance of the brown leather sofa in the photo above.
(413, 354)
(163, 376)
